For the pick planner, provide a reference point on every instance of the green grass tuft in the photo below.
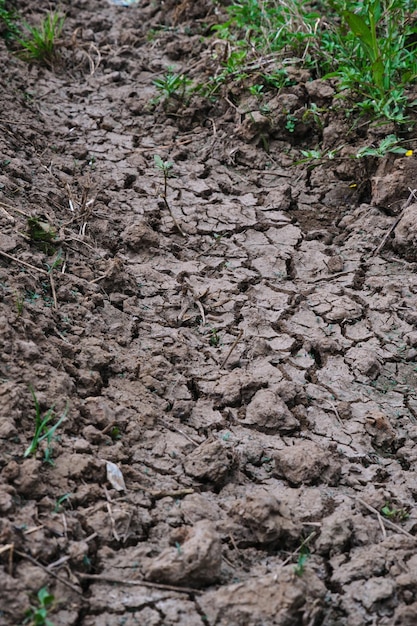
(41, 43)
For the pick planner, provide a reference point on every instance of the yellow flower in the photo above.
(409, 153)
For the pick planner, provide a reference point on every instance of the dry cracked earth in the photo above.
(242, 350)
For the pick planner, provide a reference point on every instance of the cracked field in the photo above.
(240, 345)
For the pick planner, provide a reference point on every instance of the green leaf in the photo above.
(45, 598)
(378, 73)
(360, 29)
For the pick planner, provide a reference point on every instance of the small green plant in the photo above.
(32, 296)
(42, 234)
(41, 44)
(38, 615)
(214, 339)
(9, 28)
(277, 78)
(311, 155)
(303, 557)
(61, 501)
(386, 145)
(172, 86)
(166, 168)
(115, 433)
(56, 262)
(42, 431)
(318, 156)
(314, 114)
(291, 122)
(393, 514)
(19, 303)
(256, 90)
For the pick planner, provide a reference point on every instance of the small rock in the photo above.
(140, 236)
(211, 461)
(7, 243)
(279, 599)
(379, 428)
(335, 264)
(405, 234)
(405, 615)
(6, 502)
(268, 413)
(195, 560)
(364, 360)
(307, 462)
(253, 124)
(261, 519)
(319, 90)
(335, 533)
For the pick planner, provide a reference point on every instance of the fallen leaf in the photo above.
(115, 476)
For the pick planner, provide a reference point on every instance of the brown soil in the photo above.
(253, 380)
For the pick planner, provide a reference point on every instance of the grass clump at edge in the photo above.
(368, 47)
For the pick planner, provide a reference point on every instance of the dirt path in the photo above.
(243, 349)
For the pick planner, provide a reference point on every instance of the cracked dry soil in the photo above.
(254, 380)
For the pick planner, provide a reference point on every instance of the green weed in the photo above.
(314, 114)
(303, 557)
(32, 296)
(61, 501)
(386, 145)
(19, 303)
(318, 156)
(256, 90)
(311, 155)
(369, 46)
(115, 433)
(41, 43)
(381, 57)
(290, 122)
(214, 339)
(172, 86)
(395, 515)
(56, 262)
(42, 234)
(165, 167)
(42, 431)
(9, 28)
(38, 615)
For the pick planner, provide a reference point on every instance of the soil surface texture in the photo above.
(233, 355)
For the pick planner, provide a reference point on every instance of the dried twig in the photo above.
(52, 283)
(410, 198)
(110, 512)
(66, 558)
(8, 546)
(174, 219)
(234, 344)
(45, 569)
(7, 214)
(20, 262)
(4, 206)
(387, 522)
(179, 431)
(175, 493)
(143, 583)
